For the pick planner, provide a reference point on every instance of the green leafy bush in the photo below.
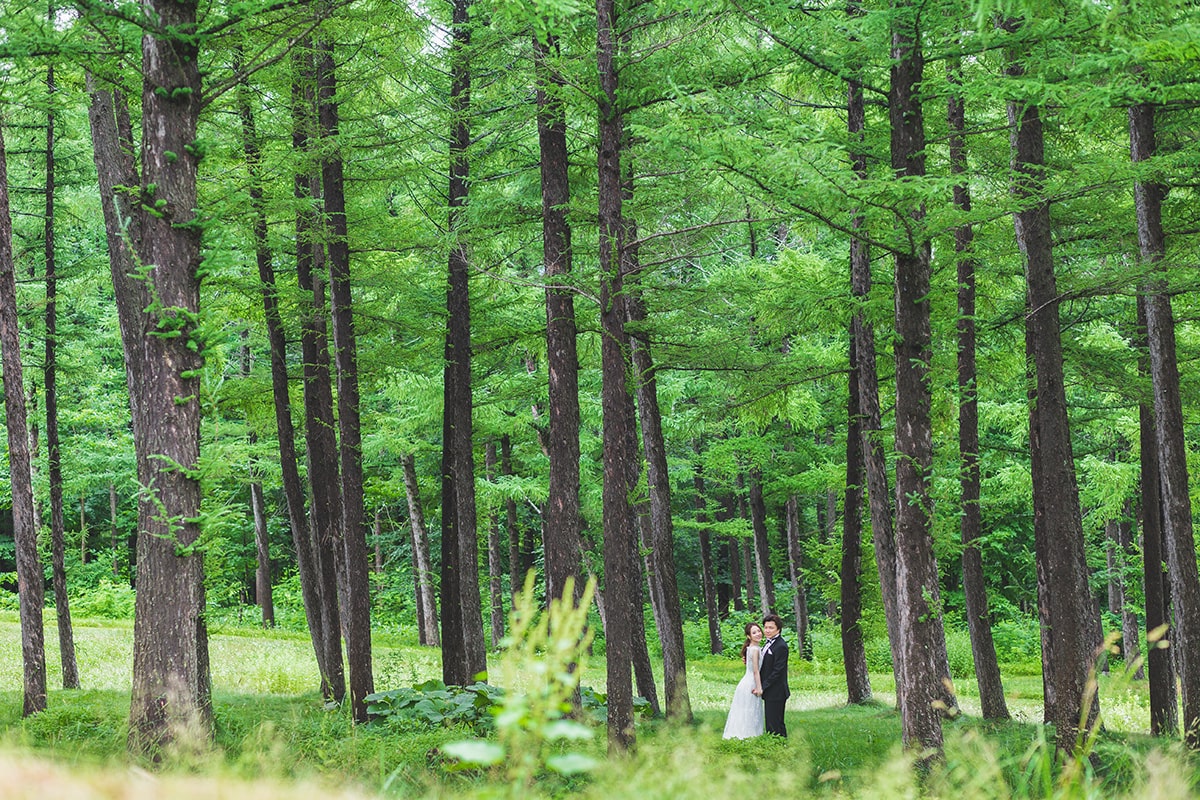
(1018, 641)
(107, 600)
(959, 654)
(434, 704)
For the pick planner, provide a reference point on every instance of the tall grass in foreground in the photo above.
(673, 764)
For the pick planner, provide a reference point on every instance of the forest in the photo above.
(532, 335)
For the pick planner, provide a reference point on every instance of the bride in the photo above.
(746, 714)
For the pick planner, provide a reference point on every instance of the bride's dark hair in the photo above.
(746, 644)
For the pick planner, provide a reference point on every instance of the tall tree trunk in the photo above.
(30, 575)
(353, 515)
(463, 653)
(979, 621)
(323, 473)
(521, 554)
(746, 552)
(562, 546)
(1131, 649)
(1164, 707)
(762, 545)
(1178, 536)
(662, 535)
(171, 695)
(495, 587)
(377, 540)
(854, 655)
(428, 621)
(733, 545)
(58, 543)
(879, 496)
(707, 573)
(643, 670)
(293, 489)
(620, 558)
(262, 551)
(1119, 535)
(925, 674)
(1067, 611)
(112, 521)
(795, 566)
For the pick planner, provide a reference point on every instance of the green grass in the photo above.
(272, 730)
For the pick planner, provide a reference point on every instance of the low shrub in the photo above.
(434, 704)
(107, 600)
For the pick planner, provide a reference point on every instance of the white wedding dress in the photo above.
(746, 714)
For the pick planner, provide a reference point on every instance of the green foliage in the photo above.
(545, 653)
(106, 600)
(433, 704)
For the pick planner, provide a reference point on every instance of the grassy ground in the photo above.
(274, 739)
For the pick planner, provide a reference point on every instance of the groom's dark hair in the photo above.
(773, 618)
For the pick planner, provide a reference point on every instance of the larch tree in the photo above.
(30, 574)
(307, 565)
(463, 653)
(319, 425)
(1177, 533)
(353, 514)
(562, 545)
(621, 573)
(1064, 597)
(924, 673)
(979, 622)
(154, 260)
(58, 545)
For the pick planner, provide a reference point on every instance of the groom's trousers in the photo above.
(773, 713)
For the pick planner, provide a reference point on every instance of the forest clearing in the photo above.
(274, 740)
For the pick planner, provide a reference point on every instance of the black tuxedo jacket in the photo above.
(772, 671)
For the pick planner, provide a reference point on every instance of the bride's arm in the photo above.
(757, 679)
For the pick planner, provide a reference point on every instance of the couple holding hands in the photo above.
(760, 695)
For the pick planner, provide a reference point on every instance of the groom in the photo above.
(773, 672)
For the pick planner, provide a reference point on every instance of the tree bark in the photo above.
(463, 653)
(30, 577)
(495, 587)
(112, 520)
(735, 571)
(421, 563)
(795, 564)
(262, 551)
(319, 424)
(871, 426)
(1164, 707)
(1131, 648)
(171, 698)
(562, 545)
(622, 592)
(1119, 535)
(707, 573)
(762, 545)
(1065, 599)
(58, 543)
(523, 552)
(925, 674)
(662, 535)
(293, 489)
(854, 655)
(979, 622)
(353, 514)
(1178, 536)
(377, 540)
